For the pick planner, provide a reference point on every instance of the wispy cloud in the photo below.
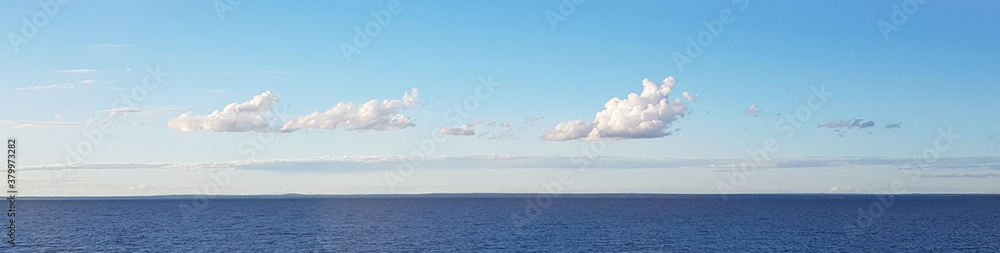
(966, 174)
(108, 46)
(77, 71)
(946, 166)
(507, 131)
(35, 124)
(892, 125)
(752, 111)
(45, 87)
(846, 124)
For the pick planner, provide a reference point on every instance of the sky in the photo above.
(121, 98)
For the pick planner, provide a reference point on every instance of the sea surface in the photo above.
(513, 223)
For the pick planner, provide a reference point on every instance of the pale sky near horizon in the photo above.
(268, 97)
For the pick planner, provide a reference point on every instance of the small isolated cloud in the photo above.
(77, 71)
(252, 115)
(465, 129)
(847, 124)
(892, 125)
(371, 115)
(645, 115)
(87, 81)
(752, 111)
(125, 110)
(842, 126)
(689, 97)
(108, 46)
(58, 116)
(45, 87)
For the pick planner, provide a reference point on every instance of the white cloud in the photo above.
(108, 46)
(33, 124)
(569, 130)
(645, 115)
(44, 87)
(752, 111)
(87, 81)
(690, 98)
(78, 71)
(509, 161)
(371, 115)
(58, 116)
(464, 129)
(252, 115)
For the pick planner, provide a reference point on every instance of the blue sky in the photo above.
(936, 71)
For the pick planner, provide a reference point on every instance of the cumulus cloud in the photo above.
(569, 130)
(752, 111)
(371, 115)
(252, 115)
(892, 125)
(645, 115)
(464, 129)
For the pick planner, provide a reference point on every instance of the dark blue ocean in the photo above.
(513, 223)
